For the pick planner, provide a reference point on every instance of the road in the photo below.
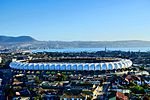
(106, 86)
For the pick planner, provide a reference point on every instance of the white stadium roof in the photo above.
(123, 63)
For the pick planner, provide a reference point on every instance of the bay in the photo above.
(135, 49)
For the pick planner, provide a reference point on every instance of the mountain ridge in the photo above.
(28, 43)
(5, 39)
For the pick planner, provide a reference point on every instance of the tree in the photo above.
(138, 89)
(37, 80)
(9, 92)
(141, 68)
(38, 97)
(61, 77)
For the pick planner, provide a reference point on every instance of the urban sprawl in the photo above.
(101, 75)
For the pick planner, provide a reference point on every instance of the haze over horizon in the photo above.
(72, 20)
(30, 37)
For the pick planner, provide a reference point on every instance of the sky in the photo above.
(76, 20)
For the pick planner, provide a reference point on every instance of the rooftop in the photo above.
(74, 60)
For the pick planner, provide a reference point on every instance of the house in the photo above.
(73, 94)
(146, 79)
(82, 85)
(1, 81)
(50, 97)
(121, 96)
(114, 86)
(25, 92)
(0, 59)
(121, 81)
(135, 79)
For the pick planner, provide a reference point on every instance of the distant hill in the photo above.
(97, 44)
(6, 39)
(29, 43)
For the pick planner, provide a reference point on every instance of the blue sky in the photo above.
(70, 20)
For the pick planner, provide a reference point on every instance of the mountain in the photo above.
(97, 44)
(29, 43)
(5, 39)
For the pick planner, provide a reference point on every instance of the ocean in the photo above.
(136, 49)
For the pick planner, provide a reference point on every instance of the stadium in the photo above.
(71, 64)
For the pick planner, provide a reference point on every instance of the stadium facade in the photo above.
(98, 64)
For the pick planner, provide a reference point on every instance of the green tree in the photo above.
(138, 89)
(141, 68)
(37, 79)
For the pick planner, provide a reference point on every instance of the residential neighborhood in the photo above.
(123, 84)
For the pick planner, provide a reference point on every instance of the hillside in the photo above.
(6, 39)
(28, 43)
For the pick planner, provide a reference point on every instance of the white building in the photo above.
(123, 63)
(0, 59)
